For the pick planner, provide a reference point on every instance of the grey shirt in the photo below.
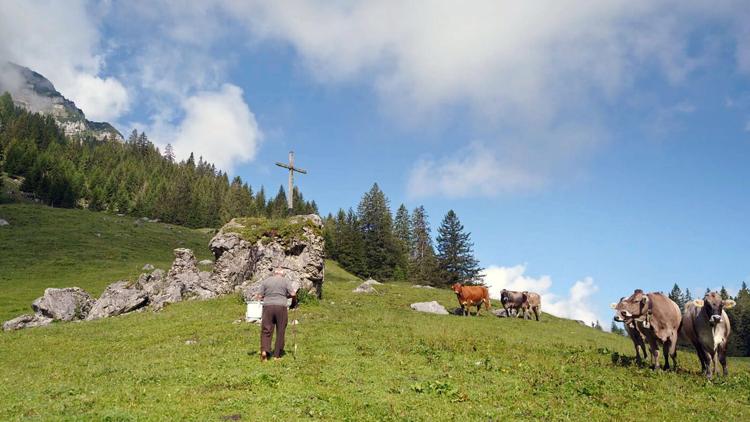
(275, 290)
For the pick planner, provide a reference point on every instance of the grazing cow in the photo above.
(657, 318)
(533, 302)
(634, 335)
(707, 326)
(512, 301)
(469, 296)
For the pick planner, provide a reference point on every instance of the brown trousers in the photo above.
(273, 315)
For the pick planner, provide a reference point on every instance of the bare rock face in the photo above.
(119, 298)
(68, 304)
(247, 250)
(26, 321)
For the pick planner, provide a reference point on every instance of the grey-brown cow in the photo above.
(706, 325)
(633, 333)
(657, 318)
(512, 301)
(533, 302)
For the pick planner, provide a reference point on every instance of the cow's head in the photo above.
(713, 306)
(456, 287)
(504, 296)
(631, 308)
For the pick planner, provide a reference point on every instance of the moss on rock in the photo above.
(253, 229)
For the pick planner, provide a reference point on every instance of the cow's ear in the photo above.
(644, 299)
(729, 303)
(613, 305)
(698, 303)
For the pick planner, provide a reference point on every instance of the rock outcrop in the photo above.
(26, 321)
(247, 250)
(429, 307)
(119, 298)
(68, 304)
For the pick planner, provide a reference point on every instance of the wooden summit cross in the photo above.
(292, 169)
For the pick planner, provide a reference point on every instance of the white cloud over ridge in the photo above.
(576, 305)
(60, 40)
(217, 125)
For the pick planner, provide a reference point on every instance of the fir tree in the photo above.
(402, 236)
(677, 297)
(456, 259)
(423, 268)
(376, 225)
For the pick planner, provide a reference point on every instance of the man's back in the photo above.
(275, 290)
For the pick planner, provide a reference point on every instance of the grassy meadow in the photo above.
(359, 357)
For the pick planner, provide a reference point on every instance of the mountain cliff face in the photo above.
(36, 93)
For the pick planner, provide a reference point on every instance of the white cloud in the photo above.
(61, 41)
(217, 125)
(576, 305)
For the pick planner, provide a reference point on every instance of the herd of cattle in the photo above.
(651, 318)
(656, 319)
(522, 303)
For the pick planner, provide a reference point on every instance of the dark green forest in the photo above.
(371, 242)
(132, 178)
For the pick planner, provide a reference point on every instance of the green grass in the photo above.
(46, 247)
(359, 357)
(266, 229)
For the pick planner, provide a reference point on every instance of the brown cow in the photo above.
(706, 325)
(512, 301)
(533, 302)
(633, 333)
(469, 296)
(657, 318)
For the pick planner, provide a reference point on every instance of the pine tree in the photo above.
(616, 329)
(677, 296)
(402, 236)
(376, 225)
(423, 267)
(169, 153)
(723, 293)
(455, 253)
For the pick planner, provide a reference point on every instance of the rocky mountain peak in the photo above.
(37, 94)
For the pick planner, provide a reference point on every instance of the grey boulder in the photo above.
(429, 307)
(4, 222)
(205, 262)
(147, 267)
(119, 298)
(26, 321)
(364, 288)
(68, 304)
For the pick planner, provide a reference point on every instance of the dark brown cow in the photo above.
(533, 302)
(512, 301)
(469, 296)
(634, 334)
(706, 325)
(657, 318)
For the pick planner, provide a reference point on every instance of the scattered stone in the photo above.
(4, 222)
(191, 342)
(26, 321)
(419, 286)
(119, 298)
(98, 234)
(121, 215)
(147, 267)
(206, 262)
(153, 220)
(429, 307)
(68, 304)
(500, 313)
(372, 282)
(457, 311)
(364, 288)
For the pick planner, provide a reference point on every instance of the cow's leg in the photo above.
(673, 351)
(708, 356)
(536, 312)
(723, 358)
(701, 355)
(666, 346)
(654, 353)
(637, 353)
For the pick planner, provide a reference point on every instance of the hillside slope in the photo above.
(359, 357)
(54, 247)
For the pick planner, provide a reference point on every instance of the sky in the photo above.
(590, 147)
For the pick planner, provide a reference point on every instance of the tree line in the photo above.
(133, 178)
(371, 242)
(739, 317)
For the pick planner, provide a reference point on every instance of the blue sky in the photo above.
(590, 147)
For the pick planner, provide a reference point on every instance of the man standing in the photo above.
(274, 291)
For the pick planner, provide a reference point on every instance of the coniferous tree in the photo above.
(723, 293)
(423, 268)
(376, 225)
(456, 259)
(402, 236)
(677, 296)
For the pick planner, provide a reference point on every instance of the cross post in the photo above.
(292, 169)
